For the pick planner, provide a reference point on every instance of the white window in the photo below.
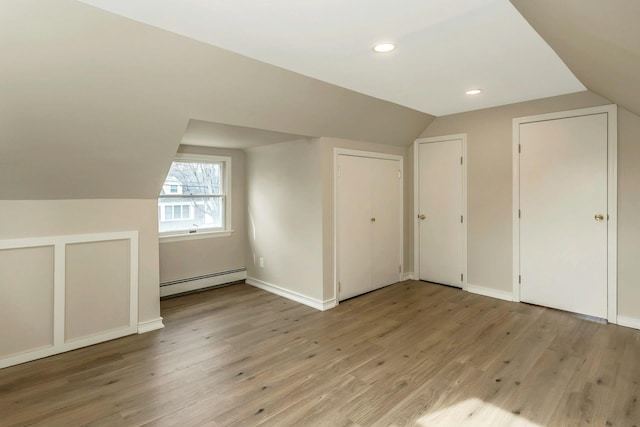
(195, 198)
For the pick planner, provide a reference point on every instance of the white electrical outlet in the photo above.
(261, 262)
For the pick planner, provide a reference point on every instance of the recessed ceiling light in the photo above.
(384, 47)
(473, 91)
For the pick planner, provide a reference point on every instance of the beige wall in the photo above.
(37, 218)
(191, 258)
(110, 98)
(628, 213)
(285, 207)
(490, 190)
(408, 210)
(327, 150)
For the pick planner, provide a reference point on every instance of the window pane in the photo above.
(195, 178)
(181, 212)
(191, 213)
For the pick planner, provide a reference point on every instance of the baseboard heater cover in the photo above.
(201, 282)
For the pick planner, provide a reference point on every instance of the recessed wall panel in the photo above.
(26, 299)
(98, 284)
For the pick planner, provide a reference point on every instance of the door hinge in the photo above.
(519, 279)
(519, 213)
(399, 175)
(462, 277)
(339, 288)
(519, 148)
(460, 160)
(461, 219)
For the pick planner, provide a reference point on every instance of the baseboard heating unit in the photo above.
(201, 282)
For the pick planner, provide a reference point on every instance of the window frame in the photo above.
(225, 194)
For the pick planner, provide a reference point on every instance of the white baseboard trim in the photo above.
(193, 284)
(408, 276)
(150, 325)
(74, 344)
(329, 304)
(629, 322)
(489, 292)
(292, 295)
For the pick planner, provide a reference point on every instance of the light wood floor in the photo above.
(409, 354)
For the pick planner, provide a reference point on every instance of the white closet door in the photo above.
(355, 189)
(563, 190)
(387, 225)
(440, 209)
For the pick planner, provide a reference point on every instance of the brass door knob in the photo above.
(421, 217)
(373, 220)
(599, 217)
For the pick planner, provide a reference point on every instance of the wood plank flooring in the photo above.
(409, 354)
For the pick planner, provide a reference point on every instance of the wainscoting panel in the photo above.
(97, 294)
(26, 299)
(64, 292)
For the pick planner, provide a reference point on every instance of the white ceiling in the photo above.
(444, 47)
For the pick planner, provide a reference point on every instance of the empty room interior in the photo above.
(317, 213)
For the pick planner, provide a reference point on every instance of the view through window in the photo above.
(193, 197)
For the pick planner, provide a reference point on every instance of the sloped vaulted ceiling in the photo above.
(599, 40)
(444, 47)
(94, 105)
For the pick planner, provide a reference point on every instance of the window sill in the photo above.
(168, 238)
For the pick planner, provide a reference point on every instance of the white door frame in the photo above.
(416, 201)
(373, 155)
(612, 197)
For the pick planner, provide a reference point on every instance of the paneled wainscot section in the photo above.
(65, 292)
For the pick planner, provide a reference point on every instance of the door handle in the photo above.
(373, 220)
(599, 217)
(421, 217)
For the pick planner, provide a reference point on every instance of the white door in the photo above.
(355, 187)
(440, 195)
(369, 224)
(563, 209)
(388, 222)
